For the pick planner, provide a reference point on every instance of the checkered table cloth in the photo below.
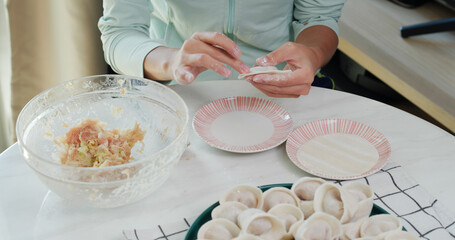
(394, 190)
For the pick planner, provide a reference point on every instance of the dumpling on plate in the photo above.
(251, 196)
(278, 195)
(362, 196)
(320, 226)
(287, 213)
(266, 226)
(229, 211)
(379, 225)
(400, 235)
(304, 189)
(331, 199)
(218, 229)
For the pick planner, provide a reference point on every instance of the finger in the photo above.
(274, 94)
(206, 61)
(184, 76)
(303, 89)
(282, 54)
(198, 47)
(219, 40)
(222, 56)
(298, 77)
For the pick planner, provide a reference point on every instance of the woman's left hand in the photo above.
(302, 60)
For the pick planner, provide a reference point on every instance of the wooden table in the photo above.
(421, 68)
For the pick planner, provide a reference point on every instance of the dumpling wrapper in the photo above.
(321, 226)
(266, 226)
(379, 225)
(218, 229)
(251, 196)
(278, 195)
(289, 214)
(229, 211)
(304, 188)
(362, 196)
(263, 70)
(400, 235)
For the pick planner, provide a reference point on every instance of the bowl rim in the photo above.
(129, 164)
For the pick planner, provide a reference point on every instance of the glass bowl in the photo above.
(119, 102)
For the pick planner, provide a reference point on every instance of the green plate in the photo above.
(206, 215)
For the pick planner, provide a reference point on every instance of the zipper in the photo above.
(230, 23)
(230, 26)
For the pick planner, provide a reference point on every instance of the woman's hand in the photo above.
(203, 51)
(303, 62)
(313, 48)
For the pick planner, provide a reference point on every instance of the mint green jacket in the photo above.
(130, 29)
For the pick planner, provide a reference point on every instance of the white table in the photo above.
(28, 211)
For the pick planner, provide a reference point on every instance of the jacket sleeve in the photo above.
(125, 35)
(309, 13)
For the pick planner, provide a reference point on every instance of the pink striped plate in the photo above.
(243, 124)
(338, 149)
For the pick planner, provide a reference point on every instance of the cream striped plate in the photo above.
(338, 149)
(243, 124)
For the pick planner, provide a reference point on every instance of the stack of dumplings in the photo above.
(312, 209)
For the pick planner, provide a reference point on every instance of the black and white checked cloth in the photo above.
(395, 191)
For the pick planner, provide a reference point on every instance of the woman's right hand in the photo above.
(203, 51)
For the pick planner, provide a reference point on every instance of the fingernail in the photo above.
(248, 79)
(189, 77)
(263, 61)
(226, 72)
(244, 68)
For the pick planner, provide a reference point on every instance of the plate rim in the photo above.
(230, 149)
(191, 234)
(294, 159)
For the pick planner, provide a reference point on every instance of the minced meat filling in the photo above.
(90, 145)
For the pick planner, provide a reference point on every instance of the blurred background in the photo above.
(44, 42)
(41, 44)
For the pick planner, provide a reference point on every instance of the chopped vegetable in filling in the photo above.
(90, 145)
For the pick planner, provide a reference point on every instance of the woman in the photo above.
(180, 40)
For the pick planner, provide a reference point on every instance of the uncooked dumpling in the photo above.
(278, 195)
(229, 211)
(249, 195)
(266, 226)
(263, 70)
(320, 226)
(304, 189)
(379, 225)
(218, 229)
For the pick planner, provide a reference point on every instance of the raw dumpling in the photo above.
(229, 211)
(400, 235)
(261, 224)
(347, 204)
(328, 199)
(249, 195)
(287, 213)
(320, 226)
(247, 237)
(278, 195)
(379, 225)
(362, 196)
(263, 70)
(218, 229)
(352, 230)
(304, 189)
